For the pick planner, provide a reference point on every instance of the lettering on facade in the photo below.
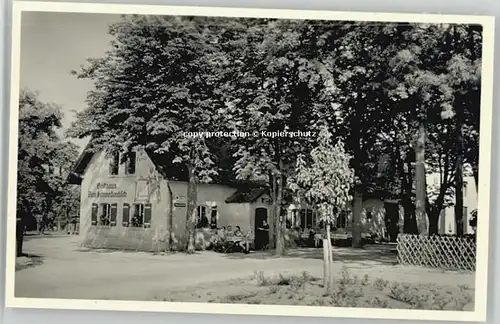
(101, 186)
(107, 190)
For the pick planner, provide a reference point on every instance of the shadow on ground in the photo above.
(370, 254)
(34, 236)
(28, 261)
(134, 252)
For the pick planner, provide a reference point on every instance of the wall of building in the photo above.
(370, 225)
(213, 196)
(376, 224)
(145, 186)
(447, 221)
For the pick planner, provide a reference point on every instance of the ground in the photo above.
(57, 267)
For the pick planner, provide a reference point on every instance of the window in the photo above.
(114, 164)
(138, 216)
(95, 211)
(113, 214)
(306, 218)
(213, 218)
(141, 216)
(130, 164)
(105, 215)
(288, 221)
(292, 219)
(369, 215)
(342, 219)
(126, 215)
(201, 217)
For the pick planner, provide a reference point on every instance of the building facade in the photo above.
(132, 206)
(447, 223)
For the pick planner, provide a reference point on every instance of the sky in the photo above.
(54, 44)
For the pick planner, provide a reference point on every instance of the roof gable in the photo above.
(166, 168)
(246, 195)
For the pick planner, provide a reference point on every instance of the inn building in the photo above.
(136, 206)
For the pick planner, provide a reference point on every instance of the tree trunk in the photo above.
(192, 197)
(280, 238)
(434, 223)
(459, 180)
(326, 265)
(409, 221)
(459, 196)
(19, 236)
(421, 189)
(357, 209)
(170, 218)
(330, 262)
(475, 171)
(330, 253)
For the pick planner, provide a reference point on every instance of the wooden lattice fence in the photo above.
(444, 252)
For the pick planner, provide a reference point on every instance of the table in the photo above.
(237, 240)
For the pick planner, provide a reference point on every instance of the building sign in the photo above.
(107, 190)
(180, 201)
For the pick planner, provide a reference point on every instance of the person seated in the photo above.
(241, 245)
(221, 232)
(238, 231)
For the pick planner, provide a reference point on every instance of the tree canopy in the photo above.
(396, 94)
(44, 159)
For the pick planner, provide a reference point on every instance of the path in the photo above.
(68, 271)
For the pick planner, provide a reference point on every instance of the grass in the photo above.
(347, 291)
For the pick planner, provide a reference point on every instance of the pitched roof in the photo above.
(246, 195)
(75, 176)
(167, 169)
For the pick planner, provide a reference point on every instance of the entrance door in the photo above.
(261, 231)
(392, 220)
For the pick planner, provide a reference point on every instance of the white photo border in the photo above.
(484, 186)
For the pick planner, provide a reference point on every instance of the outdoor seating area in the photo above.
(339, 237)
(223, 240)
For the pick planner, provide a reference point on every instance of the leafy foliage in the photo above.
(392, 93)
(324, 179)
(44, 159)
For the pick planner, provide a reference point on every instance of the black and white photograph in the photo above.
(175, 158)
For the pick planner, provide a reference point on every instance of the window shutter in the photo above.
(114, 211)
(147, 215)
(302, 218)
(126, 215)
(213, 218)
(95, 209)
(309, 218)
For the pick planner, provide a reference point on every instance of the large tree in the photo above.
(432, 78)
(158, 81)
(67, 201)
(463, 78)
(357, 56)
(323, 179)
(274, 84)
(38, 146)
